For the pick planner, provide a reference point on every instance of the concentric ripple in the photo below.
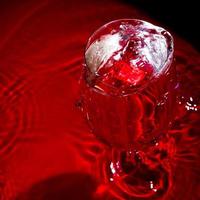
(41, 132)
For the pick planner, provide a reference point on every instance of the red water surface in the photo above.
(47, 151)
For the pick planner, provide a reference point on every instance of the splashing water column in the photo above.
(128, 93)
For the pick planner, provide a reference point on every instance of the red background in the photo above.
(46, 151)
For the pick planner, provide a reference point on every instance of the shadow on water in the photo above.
(73, 186)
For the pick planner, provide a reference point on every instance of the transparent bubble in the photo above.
(125, 55)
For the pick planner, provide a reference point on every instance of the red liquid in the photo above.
(46, 151)
(129, 100)
(130, 87)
